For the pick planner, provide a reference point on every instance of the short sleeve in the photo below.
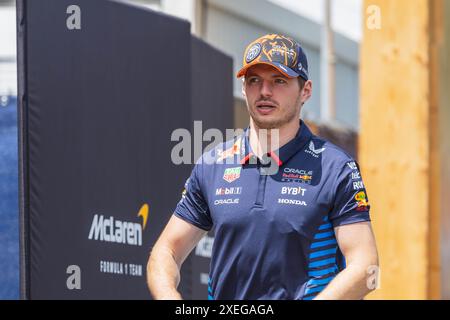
(192, 206)
(351, 204)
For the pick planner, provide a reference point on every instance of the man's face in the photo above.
(273, 100)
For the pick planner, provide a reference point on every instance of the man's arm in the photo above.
(357, 243)
(168, 254)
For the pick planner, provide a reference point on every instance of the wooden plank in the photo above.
(436, 35)
(395, 143)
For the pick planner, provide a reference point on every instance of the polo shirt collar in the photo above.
(283, 154)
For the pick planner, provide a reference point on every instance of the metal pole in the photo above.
(327, 67)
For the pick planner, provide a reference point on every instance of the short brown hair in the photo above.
(301, 82)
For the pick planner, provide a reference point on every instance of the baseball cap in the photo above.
(283, 53)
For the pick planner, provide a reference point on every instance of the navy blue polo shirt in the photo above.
(274, 233)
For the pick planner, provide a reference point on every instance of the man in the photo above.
(279, 234)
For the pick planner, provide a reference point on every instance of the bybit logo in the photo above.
(116, 231)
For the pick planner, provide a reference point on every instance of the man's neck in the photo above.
(263, 141)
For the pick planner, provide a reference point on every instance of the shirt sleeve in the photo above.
(192, 207)
(351, 203)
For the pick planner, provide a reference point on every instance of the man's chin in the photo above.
(266, 122)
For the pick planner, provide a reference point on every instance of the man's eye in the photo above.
(280, 81)
(253, 80)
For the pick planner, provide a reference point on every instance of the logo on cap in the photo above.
(253, 52)
(302, 69)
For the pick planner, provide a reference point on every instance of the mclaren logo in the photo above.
(116, 231)
(143, 212)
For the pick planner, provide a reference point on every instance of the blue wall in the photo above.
(9, 208)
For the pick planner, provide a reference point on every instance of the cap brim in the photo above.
(288, 72)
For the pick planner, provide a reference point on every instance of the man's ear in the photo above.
(243, 87)
(306, 91)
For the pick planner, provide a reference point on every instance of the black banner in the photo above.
(212, 104)
(102, 86)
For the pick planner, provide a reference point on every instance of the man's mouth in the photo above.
(265, 107)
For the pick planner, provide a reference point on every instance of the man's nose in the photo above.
(266, 89)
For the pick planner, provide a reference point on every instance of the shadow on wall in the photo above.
(9, 207)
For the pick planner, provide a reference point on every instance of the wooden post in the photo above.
(403, 146)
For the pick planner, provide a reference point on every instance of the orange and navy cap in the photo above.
(283, 53)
